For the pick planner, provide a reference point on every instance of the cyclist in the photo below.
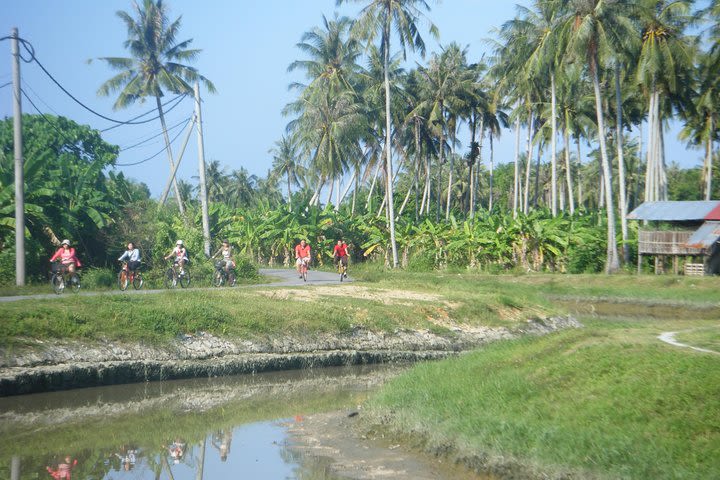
(67, 256)
(180, 253)
(302, 254)
(227, 255)
(340, 254)
(132, 256)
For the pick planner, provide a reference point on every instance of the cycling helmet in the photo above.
(179, 242)
(65, 242)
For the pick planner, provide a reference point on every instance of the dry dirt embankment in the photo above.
(60, 364)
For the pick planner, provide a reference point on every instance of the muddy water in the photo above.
(220, 428)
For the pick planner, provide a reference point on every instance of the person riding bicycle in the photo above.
(302, 255)
(227, 255)
(131, 256)
(67, 256)
(340, 254)
(180, 253)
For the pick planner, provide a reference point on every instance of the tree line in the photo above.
(374, 146)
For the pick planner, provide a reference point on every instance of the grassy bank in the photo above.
(608, 400)
(379, 300)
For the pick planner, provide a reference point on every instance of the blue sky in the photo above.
(247, 47)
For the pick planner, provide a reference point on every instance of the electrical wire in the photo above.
(5, 84)
(70, 143)
(39, 97)
(179, 99)
(33, 58)
(155, 155)
(156, 135)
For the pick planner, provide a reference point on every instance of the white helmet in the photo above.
(179, 242)
(65, 242)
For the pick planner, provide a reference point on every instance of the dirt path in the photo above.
(285, 278)
(669, 338)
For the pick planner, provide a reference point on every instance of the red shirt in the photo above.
(301, 252)
(341, 250)
(66, 256)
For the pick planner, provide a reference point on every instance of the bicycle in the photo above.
(304, 268)
(62, 277)
(342, 269)
(222, 276)
(127, 277)
(173, 277)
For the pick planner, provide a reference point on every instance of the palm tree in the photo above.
(286, 162)
(154, 66)
(538, 25)
(329, 109)
(592, 26)
(380, 16)
(664, 71)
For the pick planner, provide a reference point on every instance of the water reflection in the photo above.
(194, 429)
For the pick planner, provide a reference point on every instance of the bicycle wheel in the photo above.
(123, 280)
(184, 279)
(218, 278)
(170, 278)
(342, 272)
(58, 283)
(304, 273)
(137, 281)
(231, 279)
(74, 282)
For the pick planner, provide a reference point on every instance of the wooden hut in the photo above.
(684, 232)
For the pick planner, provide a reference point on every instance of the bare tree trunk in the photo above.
(526, 200)
(621, 165)
(612, 264)
(708, 161)
(492, 172)
(368, 203)
(450, 177)
(388, 142)
(516, 178)
(553, 148)
(568, 170)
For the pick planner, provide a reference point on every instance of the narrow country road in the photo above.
(284, 278)
(669, 338)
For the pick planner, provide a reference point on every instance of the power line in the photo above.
(179, 99)
(52, 124)
(5, 84)
(156, 135)
(155, 155)
(33, 58)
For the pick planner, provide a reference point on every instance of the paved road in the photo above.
(285, 278)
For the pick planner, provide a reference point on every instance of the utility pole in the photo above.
(201, 167)
(19, 173)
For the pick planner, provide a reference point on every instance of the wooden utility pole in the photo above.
(201, 167)
(19, 172)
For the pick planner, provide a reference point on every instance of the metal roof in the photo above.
(705, 236)
(677, 211)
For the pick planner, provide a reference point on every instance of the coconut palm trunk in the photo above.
(568, 167)
(528, 163)
(516, 177)
(621, 165)
(553, 147)
(388, 143)
(708, 159)
(612, 264)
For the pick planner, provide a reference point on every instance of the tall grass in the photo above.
(580, 400)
